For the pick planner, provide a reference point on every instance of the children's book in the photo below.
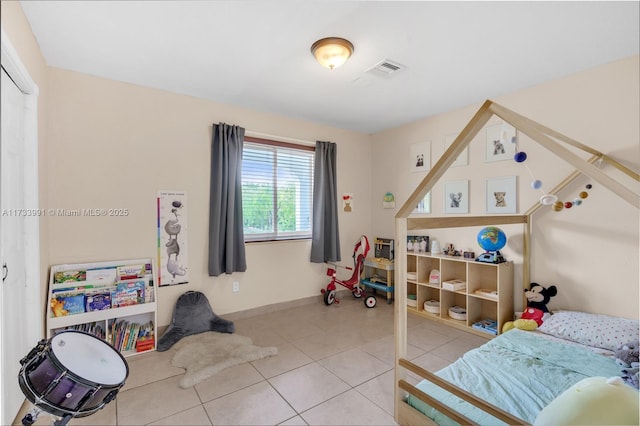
(71, 304)
(124, 298)
(130, 272)
(98, 301)
(146, 338)
(107, 274)
(130, 292)
(487, 325)
(67, 276)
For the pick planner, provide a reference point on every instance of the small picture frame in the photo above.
(424, 206)
(456, 196)
(420, 157)
(389, 201)
(463, 158)
(501, 195)
(500, 144)
(347, 202)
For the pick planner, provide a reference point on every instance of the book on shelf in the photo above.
(485, 292)
(104, 274)
(135, 287)
(149, 296)
(64, 304)
(79, 287)
(145, 345)
(454, 285)
(487, 325)
(94, 328)
(98, 301)
(123, 298)
(146, 338)
(125, 335)
(69, 276)
(131, 272)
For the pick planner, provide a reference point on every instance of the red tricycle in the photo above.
(353, 282)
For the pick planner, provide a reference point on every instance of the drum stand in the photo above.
(34, 413)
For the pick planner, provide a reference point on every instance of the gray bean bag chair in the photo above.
(192, 315)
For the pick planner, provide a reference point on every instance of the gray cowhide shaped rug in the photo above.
(208, 353)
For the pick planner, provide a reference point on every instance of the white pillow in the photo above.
(595, 401)
(600, 331)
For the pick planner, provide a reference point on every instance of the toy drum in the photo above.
(73, 373)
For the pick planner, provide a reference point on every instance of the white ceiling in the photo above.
(255, 54)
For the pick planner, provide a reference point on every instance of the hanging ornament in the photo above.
(548, 199)
(559, 205)
(520, 156)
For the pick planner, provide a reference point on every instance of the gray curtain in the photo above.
(325, 243)
(226, 237)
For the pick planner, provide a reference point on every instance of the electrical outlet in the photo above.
(236, 286)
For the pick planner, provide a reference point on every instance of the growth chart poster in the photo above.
(173, 253)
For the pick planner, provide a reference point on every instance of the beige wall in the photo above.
(589, 252)
(114, 145)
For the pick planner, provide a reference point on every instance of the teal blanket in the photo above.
(519, 371)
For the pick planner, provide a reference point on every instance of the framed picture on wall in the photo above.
(420, 157)
(501, 195)
(463, 158)
(499, 143)
(424, 205)
(456, 196)
(172, 237)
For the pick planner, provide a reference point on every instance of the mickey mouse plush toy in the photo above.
(536, 310)
(538, 296)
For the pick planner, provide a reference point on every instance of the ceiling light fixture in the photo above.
(332, 52)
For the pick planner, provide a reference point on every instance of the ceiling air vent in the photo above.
(385, 68)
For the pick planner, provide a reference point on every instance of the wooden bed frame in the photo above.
(404, 413)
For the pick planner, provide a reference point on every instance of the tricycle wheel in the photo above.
(357, 292)
(370, 301)
(329, 297)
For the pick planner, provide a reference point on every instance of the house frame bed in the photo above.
(550, 139)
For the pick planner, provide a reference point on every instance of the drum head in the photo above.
(89, 358)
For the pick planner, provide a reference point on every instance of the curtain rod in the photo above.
(278, 138)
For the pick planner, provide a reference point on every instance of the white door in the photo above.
(21, 315)
(12, 254)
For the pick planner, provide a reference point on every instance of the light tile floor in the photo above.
(334, 367)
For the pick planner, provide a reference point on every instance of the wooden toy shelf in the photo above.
(487, 292)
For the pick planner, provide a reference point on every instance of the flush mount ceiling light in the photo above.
(331, 52)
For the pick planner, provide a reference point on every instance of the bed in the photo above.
(535, 367)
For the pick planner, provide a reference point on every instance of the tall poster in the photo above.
(173, 253)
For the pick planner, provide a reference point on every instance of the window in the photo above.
(277, 190)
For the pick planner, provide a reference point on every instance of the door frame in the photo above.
(15, 68)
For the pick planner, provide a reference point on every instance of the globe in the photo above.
(491, 238)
